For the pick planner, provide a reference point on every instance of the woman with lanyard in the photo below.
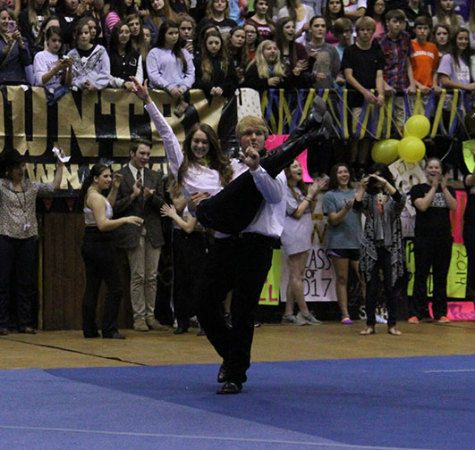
(19, 237)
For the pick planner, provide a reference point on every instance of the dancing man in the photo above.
(248, 215)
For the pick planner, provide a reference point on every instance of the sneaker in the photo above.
(290, 319)
(308, 318)
(154, 324)
(444, 319)
(194, 322)
(140, 325)
(380, 318)
(413, 319)
(346, 320)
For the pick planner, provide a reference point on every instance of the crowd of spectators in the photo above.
(167, 42)
(375, 48)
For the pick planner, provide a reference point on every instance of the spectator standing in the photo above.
(379, 10)
(217, 14)
(266, 71)
(91, 64)
(67, 11)
(469, 230)
(125, 61)
(344, 234)
(424, 57)
(187, 30)
(334, 9)
(296, 241)
(262, 18)
(170, 67)
(445, 13)
(158, 12)
(363, 64)
(413, 10)
(214, 69)
(397, 73)
(355, 9)
(382, 243)
(40, 42)
(236, 47)
(292, 53)
(14, 53)
(19, 237)
(299, 12)
(441, 38)
(141, 194)
(324, 60)
(433, 201)
(454, 68)
(98, 251)
(343, 29)
(52, 70)
(253, 39)
(137, 37)
(119, 10)
(31, 18)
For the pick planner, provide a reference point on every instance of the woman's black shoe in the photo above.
(180, 330)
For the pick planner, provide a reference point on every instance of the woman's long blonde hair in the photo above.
(263, 65)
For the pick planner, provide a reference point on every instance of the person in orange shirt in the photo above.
(425, 56)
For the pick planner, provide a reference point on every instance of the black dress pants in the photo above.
(434, 252)
(18, 263)
(189, 256)
(239, 264)
(100, 264)
(383, 263)
(469, 240)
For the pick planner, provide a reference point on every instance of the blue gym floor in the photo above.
(389, 403)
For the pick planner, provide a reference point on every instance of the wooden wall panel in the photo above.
(64, 278)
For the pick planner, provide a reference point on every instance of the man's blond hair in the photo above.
(254, 122)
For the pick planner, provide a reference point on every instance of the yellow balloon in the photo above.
(417, 126)
(385, 151)
(411, 149)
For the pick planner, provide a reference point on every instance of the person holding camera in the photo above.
(433, 201)
(14, 53)
(382, 244)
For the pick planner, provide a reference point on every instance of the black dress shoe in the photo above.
(114, 335)
(230, 387)
(180, 330)
(222, 374)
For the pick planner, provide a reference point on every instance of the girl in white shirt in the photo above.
(51, 69)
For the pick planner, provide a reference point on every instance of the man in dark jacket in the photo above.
(141, 194)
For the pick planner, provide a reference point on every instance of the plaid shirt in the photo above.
(396, 53)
